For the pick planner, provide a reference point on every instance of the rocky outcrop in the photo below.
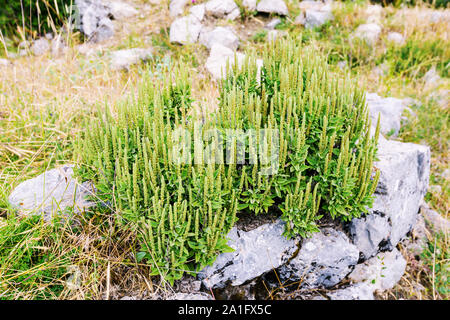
(323, 260)
(218, 58)
(436, 222)
(58, 46)
(395, 37)
(381, 272)
(371, 234)
(431, 78)
(369, 32)
(40, 46)
(120, 10)
(405, 170)
(390, 111)
(373, 13)
(222, 9)
(272, 6)
(186, 29)
(198, 11)
(224, 36)
(51, 193)
(94, 20)
(328, 257)
(359, 291)
(256, 252)
(176, 7)
(314, 14)
(123, 59)
(250, 5)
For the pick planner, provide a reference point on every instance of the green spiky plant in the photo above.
(182, 212)
(326, 152)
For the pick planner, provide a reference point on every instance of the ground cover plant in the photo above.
(45, 100)
(183, 211)
(29, 263)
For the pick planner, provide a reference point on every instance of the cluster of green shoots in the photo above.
(182, 211)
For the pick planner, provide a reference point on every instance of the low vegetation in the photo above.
(182, 213)
(114, 244)
(21, 19)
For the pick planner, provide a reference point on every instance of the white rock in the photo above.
(218, 58)
(104, 31)
(185, 30)
(123, 59)
(369, 32)
(404, 177)
(273, 23)
(438, 223)
(390, 111)
(94, 21)
(256, 252)
(431, 78)
(40, 46)
(234, 14)
(250, 5)
(272, 6)
(314, 14)
(221, 35)
(370, 232)
(176, 7)
(88, 49)
(395, 37)
(381, 272)
(24, 45)
(300, 19)
(310, 4)
(359, 291)
(316, 18)
(220, 8)
(198, 11)
(436, 16)
(51, 193)
(323, 260)
(121, 10)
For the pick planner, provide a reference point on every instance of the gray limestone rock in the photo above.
(323, 260)
(256, 252)
(51, 193)
(381, 272)
(272, 6)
